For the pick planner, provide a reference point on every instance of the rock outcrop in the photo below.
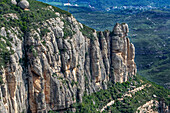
(24, 4)
(50, 70)
(14, 2)
(153, 106)
(122, 54)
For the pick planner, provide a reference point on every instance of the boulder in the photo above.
(24, 4)
(3, 32)
(14, 2)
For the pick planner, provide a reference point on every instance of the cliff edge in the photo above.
(50, 64)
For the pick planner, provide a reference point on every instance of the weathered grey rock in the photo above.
(121, 29)
(125, 28)
(118, 30)
(14, 90)
(3, 32)
(56, 71)
(24, 4)
(11, 15)
(14, 2)
(104, 52)
(123, 54)
(59, 32)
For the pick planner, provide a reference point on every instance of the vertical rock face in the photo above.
(14, 90)
(51, 71)
(122, 54)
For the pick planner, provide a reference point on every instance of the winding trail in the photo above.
(128, 94)
(108, 104)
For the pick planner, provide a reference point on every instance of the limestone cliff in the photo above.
(55, 63)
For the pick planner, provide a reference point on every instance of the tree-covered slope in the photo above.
(126, 98)
(135, 95)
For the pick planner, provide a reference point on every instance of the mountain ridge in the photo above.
(104, 4)
(49, 60)
(53, 58)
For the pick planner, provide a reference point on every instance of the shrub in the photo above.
(1, 81)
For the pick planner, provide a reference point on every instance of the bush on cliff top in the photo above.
(38, 13)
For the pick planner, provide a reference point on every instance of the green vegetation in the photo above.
(152, 45)
(88, 32)
(26, 21)
(4, 52)
(96, 101)
(144, 28)
(36, 14)
(74, 83)
(67, 29)
(44, 31)
(32, 49)
(1, 81)
(44, 43)
(52, 111)
(54, 75)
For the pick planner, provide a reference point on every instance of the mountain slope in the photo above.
(135, 95)
(51, 61)
(48, 59)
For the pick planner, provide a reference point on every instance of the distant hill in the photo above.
(102, 4)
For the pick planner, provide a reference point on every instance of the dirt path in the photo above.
(108, 104)
(127, 94)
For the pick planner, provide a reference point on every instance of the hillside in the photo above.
(135, 95)
(50, 62)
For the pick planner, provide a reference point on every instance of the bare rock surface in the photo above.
(24, 4)
(52, 71)
(14, 2)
